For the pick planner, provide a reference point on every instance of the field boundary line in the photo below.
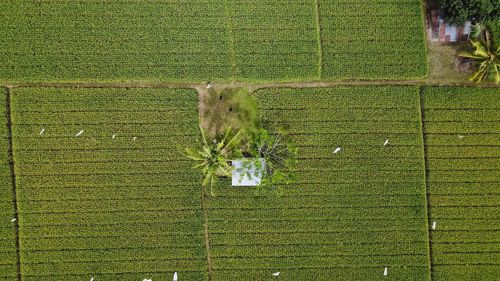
(253, 86)
(319, 38)
(230, 31)
(426, 178)
(10, 152)
(205, 232)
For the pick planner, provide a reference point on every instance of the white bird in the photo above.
(79, 133)
(386, 142)
(135, 138)
(385, 271)
(460, 136)
(175, 276)
(41, 132)
(209, 85)
(92, 279)
(147, 279)
(337, 150)
(434, 225)
(13, 220)
(276, 273)
(113, 136)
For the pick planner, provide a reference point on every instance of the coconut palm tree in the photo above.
(486, 57)
(214, 156)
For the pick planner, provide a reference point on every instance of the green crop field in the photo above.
(210, 40)
(368, 39)
(7, 226)
(112, 208)
(104, 192)
(462, 130)
(349, 214)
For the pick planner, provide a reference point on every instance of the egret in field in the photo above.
(147, 279)
(460, 136)
(175, 276)
(434, 225)
(13, 220)
(385, 271)
(134, 138)
(276, 274)
(91, 278)
(41, 132)
(386, 142)
(209, 85)
(79, 133)
(113, 136)
(337, 150)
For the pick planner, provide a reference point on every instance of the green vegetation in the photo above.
(459, 11)
(193, 41)
(274, 39)
(487, 58)
(221, 109)
(213, 159)
(372, 39)
(348, 214)
(116, 202)
(462, 131)
(7, 231)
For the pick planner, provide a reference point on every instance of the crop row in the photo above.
(7, 230)
(376, 25)
(463, 180)
(103, 193)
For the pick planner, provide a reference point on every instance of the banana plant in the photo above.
(214, 156)
(486, 57)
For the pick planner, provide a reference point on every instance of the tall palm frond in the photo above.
(487, 59)
(214, 155)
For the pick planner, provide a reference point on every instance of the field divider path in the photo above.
(13, 176)
(426, 172)
(205, 232)
(319, 35)
(250, 86)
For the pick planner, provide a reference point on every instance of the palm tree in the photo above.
(487, 58)
(214, 156)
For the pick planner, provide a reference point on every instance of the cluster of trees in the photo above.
(459, 11)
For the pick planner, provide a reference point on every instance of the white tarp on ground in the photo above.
(248, 172)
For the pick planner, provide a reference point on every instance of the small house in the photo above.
(440, 31)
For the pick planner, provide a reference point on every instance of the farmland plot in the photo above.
(350, 214)
(462, 129)
(372, 39)
(274, 39)
(7, 226)
(103, 191)
(113, 40)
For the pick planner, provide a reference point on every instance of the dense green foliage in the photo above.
(122, 208)
(347, 215)
(462, 131)
(211, 40)
(459, 11)
(7, 231)
(372, 39)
